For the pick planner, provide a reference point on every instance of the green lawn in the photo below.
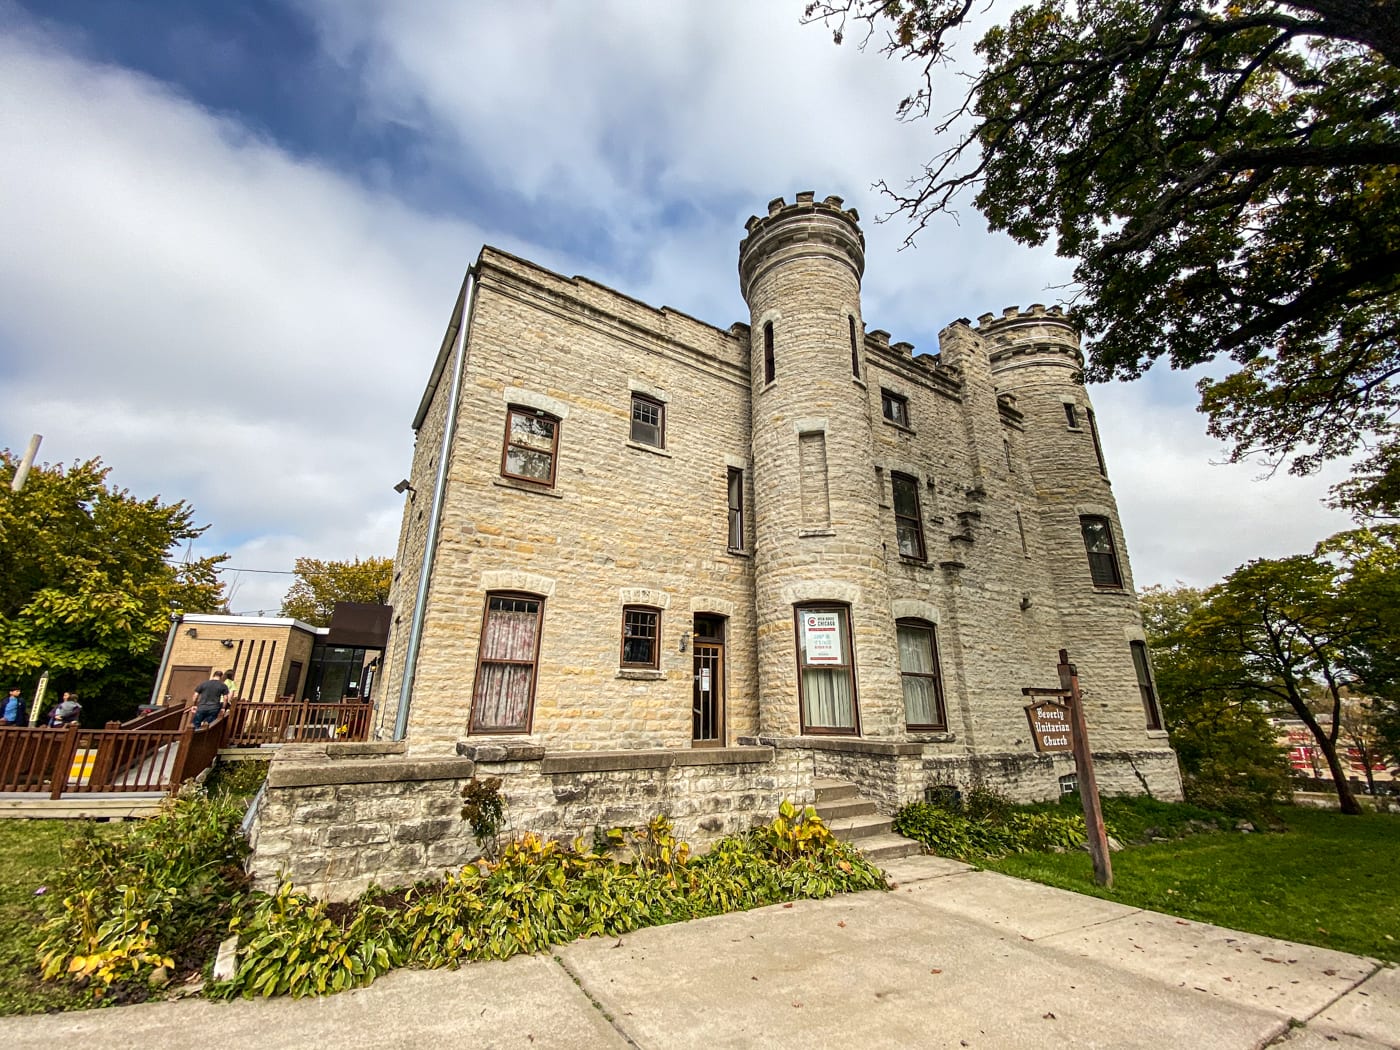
(1328, 880)
(28, 851)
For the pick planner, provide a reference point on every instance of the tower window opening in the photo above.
(736, 509)
(769, 370)
(1151, 709)
(1098, 448)
(1103, 559)
(855, 348)
(1071, 415)
(908, 520)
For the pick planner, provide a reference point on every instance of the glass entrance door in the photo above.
(707, 706)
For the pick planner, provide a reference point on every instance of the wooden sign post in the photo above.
(1046, 718)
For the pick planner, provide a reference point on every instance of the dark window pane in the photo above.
(906, 497)
(648, 421)
(529, 464)
(1071, 415)
(1103, 560)
(639, 637)
(736, 509)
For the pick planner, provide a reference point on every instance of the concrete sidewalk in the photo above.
(951, 958)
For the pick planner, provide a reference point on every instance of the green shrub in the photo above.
(236, 779)
(155, 895)
(952, 834)
(291, 945)
(539, 894)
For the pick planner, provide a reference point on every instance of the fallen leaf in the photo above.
(796, 1004)
(842, 924)
(1330, 973)
(788, 904)
(935, 970)
(1182, 922)
(1048, 1017)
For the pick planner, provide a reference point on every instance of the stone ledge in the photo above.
(349, 771)
(603, 761)
(343, 749)
(888, 748)
(501, 752)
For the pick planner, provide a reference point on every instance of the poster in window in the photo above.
(821, 637)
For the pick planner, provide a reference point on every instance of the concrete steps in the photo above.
(855, 820)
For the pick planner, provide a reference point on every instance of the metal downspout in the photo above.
(175, 620)
(449, 427)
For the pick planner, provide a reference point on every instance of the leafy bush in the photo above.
(294, 947)
(987, 825)
(236, 779)
(538, 894)
(484, 809)
(154, 896)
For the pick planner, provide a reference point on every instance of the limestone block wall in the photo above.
(624, 523)
(337, 818)
(1035, 777)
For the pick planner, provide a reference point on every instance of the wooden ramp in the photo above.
(115, 805)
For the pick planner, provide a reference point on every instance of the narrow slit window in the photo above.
(855, 348)
(736, 509)
(908, 518)
(1098, 448)
(1151, 708)
(769, 368)
(1071, 415)
(813, 487)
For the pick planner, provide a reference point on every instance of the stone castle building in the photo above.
(654, 536)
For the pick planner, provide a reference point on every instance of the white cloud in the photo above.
(227, 323)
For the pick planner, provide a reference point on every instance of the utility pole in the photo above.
(22, 471)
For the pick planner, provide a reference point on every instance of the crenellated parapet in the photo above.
(807, 226)
(1040, 331)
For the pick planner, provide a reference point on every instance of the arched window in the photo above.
(919, 675)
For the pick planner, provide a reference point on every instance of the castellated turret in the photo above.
(819, 559)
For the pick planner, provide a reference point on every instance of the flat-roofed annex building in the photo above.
(656, 534)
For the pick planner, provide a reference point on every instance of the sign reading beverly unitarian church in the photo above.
(1050, 726)
(821, 636)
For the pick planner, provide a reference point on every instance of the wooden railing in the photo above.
(252, 724)
(89, 761)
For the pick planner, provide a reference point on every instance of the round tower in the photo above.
(826, 640)
(1035, 356)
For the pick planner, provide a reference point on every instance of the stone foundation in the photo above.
(339, 817)
(336, 817)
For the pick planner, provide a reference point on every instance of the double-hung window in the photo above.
(918, 674)
(503, 699)
(531, 445)
(1103, 558)
(908, 521)
(648, 421)
(826, 679)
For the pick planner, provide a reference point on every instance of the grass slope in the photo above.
(28, 850)
(1328, 880)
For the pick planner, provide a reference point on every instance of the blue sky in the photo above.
(233, 233)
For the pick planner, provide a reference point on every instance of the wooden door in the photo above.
(183, 679)
(707, 696)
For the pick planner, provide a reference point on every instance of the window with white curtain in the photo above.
(503, 699)
(919, 675)
(826, 679)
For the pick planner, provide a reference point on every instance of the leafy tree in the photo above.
(1224, 173)
(86, 592)
(320, 584)
(1229, 753)
(1292, 638)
